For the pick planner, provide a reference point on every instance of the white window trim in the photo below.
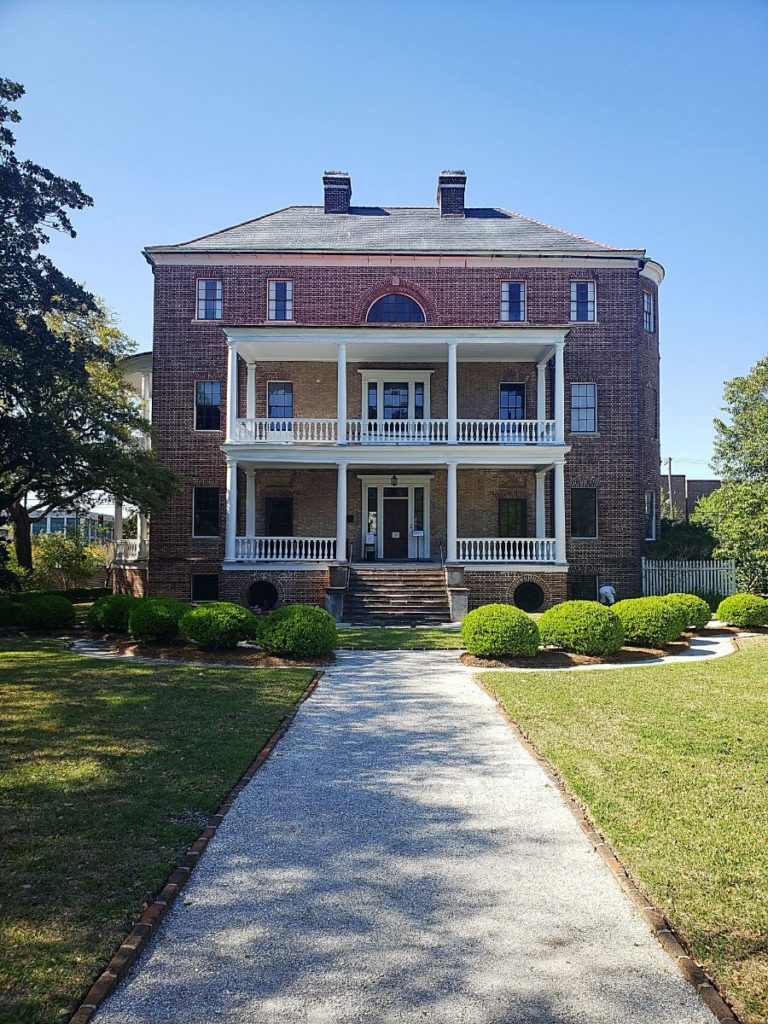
(396, 323)
(506, 320)
(280, 280)
(205, 536)
(382, 377)
(597, 513)
(267, 386)
(206, 430)
(416, 545)
(584, 433)
(650, 296)
(207, 319)
(512, 383)
(579, 280)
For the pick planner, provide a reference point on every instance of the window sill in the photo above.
(584, 323)
(207, 320)
(273, 322)
(584, 433)
(585, 538)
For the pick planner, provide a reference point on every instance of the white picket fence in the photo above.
(717, 575)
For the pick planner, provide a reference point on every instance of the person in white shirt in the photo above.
(606, 595)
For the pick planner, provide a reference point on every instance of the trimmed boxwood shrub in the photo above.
(584, 627)
(110, 614)
(499, 630)
(696, 610)
(155, 618)
(744, 610)
(46, 613)
(219, 624)
(650, 621)
(298, 631)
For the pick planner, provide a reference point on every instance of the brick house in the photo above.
(398, 390)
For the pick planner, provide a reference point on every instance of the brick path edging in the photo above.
(663, 930)
(139, 936)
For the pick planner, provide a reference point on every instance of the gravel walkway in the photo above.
(402, 858)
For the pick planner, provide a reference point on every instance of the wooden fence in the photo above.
(717, 575)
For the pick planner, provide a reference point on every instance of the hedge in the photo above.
(219, 624)
(46, 613)
(695, 609)
(298, 631)
(584, 627)
(743, 610)
(110, 614)
(650, 621)
(155, 619)
(500, 630)
(9, 611)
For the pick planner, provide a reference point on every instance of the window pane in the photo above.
(373, 400)
(582, 300)
(207, 405)
(209, 300)
(513, 300)
(280, 399)
(512, 517)
(583, 512)
(205, 587)
(650, 515)
(418, 508)
(205, 512)
(396, 401)
(584, 408)
(512, 402)
(278, 515)
(395, 309)
(280, 305)
(418, 400)
(373, 498)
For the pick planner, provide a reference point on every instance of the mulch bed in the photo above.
(247, 656)
(562, 659)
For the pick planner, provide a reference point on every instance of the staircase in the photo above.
(396, 596)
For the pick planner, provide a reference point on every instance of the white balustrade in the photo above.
(130, 549)
(505, 431)
(285, 549)
(505, 549)
(397, 431)
(287, 431)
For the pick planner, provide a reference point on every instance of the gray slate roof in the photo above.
(397, 229)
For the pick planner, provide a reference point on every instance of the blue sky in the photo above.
(634, 124)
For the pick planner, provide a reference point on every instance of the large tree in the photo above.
(69, 425)
(737, 513)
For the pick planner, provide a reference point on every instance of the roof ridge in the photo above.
(562, 231)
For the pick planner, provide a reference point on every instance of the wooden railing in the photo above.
(285, 549)
(375, 432)
(505, 549)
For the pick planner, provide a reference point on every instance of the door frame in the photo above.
(417, 547)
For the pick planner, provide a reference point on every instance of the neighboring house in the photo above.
(95, 527)
(686, 493)
(404, 387)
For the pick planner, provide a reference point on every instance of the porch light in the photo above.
(393, 481)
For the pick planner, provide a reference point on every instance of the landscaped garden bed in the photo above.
(548, 658)
(108, 771)
(246, 656)
(668, 764)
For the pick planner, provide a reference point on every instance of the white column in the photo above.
(559, 394)
(231, 511)
(142, 534)
(450, 515)
(452, 392)
(250, 502)
(341, 392)
(231, 392)
(341, 512)
(541, 519)
(250, 392)
(117, 526)
(541, 394)
(560, 512)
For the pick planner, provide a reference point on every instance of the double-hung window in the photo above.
(205, 512)
(583, 408)
(513, 301)
(583, 512)
(280, 399)
(512, 517)
(583, 302)
(512, 401)
(649, 313)
(650, 515)
(207, 405)
(210, 300)
(280, 300)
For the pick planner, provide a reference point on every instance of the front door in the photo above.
(396, 526)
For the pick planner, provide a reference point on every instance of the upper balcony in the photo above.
(409, 386)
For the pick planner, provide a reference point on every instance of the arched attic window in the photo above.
(395, 309)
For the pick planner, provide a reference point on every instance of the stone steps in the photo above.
(396, 596)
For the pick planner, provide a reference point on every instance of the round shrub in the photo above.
(298, 631)
(695, 609)
(110, 614)
(219, 624)
(46, 613)
(743, 610)
(584, 627)
(155, 618)
(498, 630)
(650, 621)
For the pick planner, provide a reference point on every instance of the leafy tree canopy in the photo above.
(737, 515)
(741, 445)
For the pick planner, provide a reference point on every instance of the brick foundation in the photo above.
(486, 587)
(130, 580)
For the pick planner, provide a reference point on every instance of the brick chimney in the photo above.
(450, 193)
(337, 186)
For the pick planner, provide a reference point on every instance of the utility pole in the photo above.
(668, 461)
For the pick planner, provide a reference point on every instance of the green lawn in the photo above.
(672, 762)
(398, 638)
(107, 772)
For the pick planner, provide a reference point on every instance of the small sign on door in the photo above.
(395, 535)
